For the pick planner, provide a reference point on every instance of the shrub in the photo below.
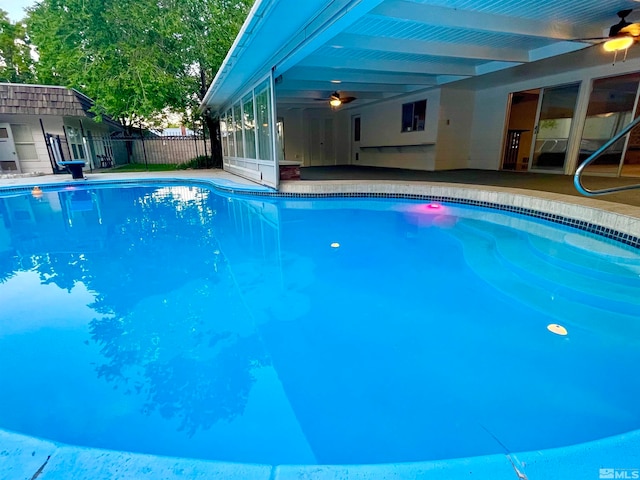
(201, 161)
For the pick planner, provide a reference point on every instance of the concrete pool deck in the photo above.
(24, 457)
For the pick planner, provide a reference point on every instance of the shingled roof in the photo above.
(23, 99)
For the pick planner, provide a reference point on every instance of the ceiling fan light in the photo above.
(616, 44)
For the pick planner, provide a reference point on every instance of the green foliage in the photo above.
(16, 64)
(137, 59)
(141, 167)
(200, 162)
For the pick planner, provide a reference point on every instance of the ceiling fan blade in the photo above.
(632, 29)
(347, 99)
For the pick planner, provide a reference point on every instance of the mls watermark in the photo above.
(622, 473)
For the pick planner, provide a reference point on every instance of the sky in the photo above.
(15, 8)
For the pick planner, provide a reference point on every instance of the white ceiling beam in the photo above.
(494, 67)
(421, 47)
(321, 94)
(359, 76)
(323, 28)
(481, 21)
(442, 79)
(434, 68)
(554, 49)
(294, 85)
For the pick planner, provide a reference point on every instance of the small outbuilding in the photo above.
(41, 125)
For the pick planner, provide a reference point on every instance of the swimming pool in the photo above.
(182, 321)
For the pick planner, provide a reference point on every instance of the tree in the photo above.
(211, 26)
(126, 55)
(137, 59)
(16, 64)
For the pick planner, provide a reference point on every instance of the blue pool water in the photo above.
(180, 321)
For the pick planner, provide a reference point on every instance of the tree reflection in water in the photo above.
(173, 327)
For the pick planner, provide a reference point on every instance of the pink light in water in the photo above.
(428, 208)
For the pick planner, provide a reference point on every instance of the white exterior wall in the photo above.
(293, 134)
(454, 128)
(382, 142)
(491, 108)
(54, 126)
(51, 125)
(466, 120)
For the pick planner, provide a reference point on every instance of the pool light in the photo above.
(335, 245)
(434, 206)
(557, 329)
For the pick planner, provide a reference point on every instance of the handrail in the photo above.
(577, 181)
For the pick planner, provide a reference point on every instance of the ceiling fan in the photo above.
(335, 100)
(621, 35)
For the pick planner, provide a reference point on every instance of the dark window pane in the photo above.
(419, 114)
(356, 129)
(407, 117)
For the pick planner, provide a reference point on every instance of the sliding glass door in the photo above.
(553, 126)
(612, 104)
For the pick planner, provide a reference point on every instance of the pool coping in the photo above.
(617, 222)
(28, 457)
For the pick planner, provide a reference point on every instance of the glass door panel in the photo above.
(557, 108)
(611, 106)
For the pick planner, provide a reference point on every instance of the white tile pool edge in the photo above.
(22, 457)
(620, 217)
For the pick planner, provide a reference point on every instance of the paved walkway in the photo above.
(544, 182)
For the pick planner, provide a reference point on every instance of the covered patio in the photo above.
(426, 86)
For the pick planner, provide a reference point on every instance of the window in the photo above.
(75, 142)
(263, 113)
(280, 137)
(413, 116)
(237, 118)
(23, 140)
(223, 135)
(249, 126)
(356, 129)
(231, 128)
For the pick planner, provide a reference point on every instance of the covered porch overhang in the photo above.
(372, 52)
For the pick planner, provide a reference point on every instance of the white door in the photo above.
(321, 147)
(355, 139)
(8, 155)
(316, 139)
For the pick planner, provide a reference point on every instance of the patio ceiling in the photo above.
(399, 46)
(376, 49)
